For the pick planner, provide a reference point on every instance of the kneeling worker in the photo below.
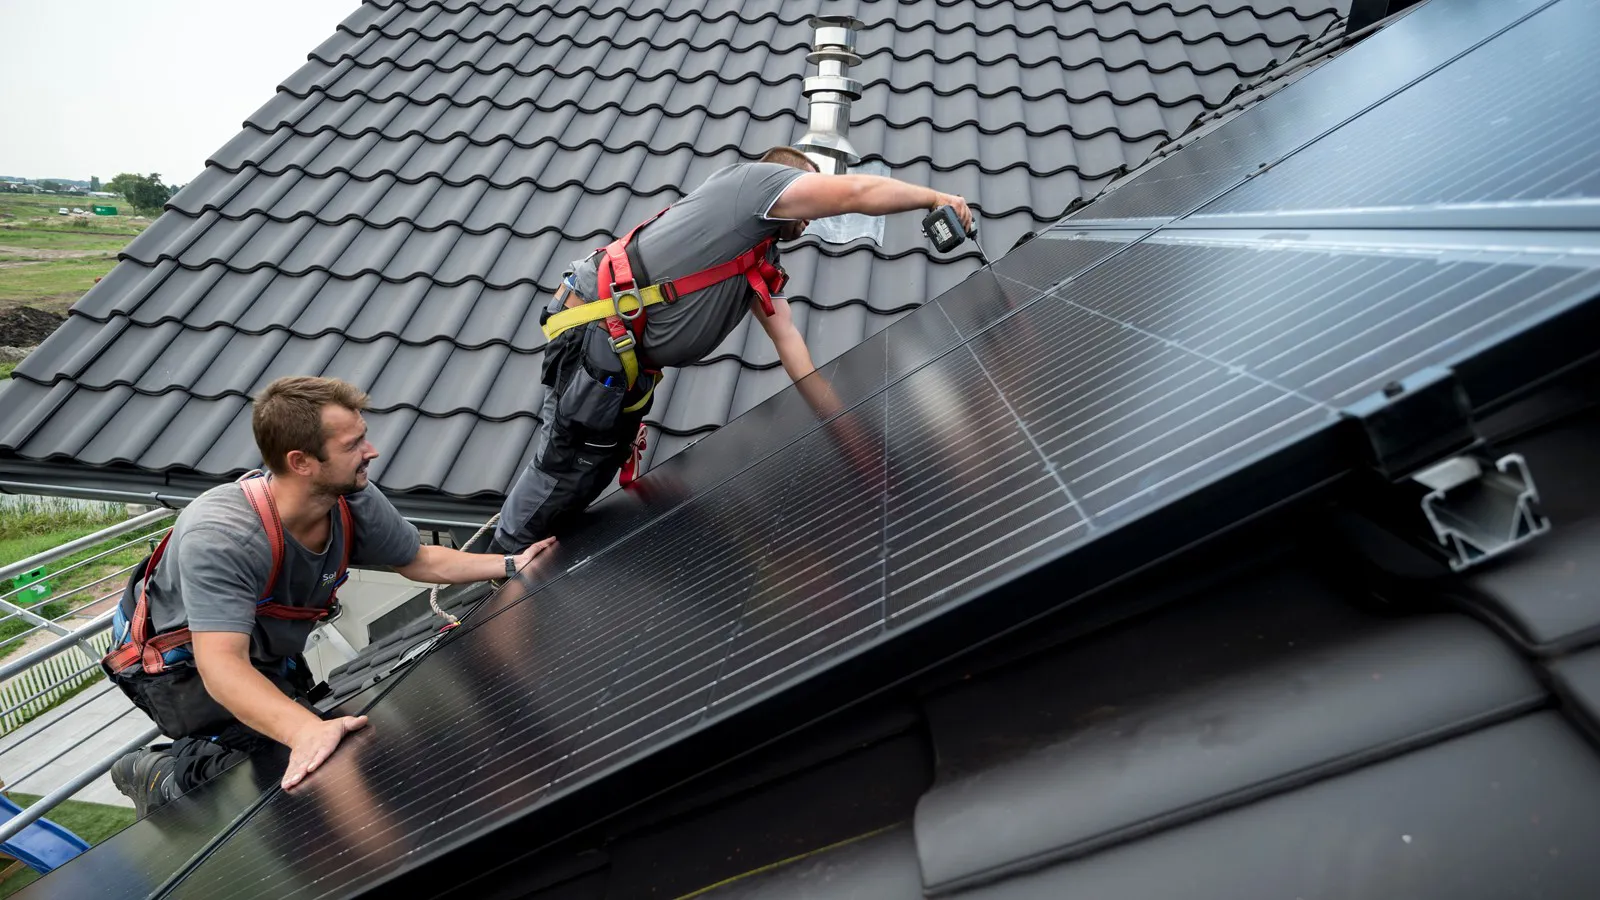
(666, 294)
(209, 636)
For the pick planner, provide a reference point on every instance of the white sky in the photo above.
(97, 87)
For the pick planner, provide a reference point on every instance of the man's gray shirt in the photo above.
(716, 222)
(219, 557)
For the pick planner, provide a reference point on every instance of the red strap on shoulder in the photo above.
(614, 267)
(255, 490)
(347, 527)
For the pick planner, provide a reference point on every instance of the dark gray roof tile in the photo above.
(398, 210)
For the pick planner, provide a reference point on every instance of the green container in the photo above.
(105, 210)
(36, 587)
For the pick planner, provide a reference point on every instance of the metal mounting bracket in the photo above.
(1479, 510)
(1434, 479)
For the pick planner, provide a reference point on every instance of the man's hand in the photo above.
(313, 744)
(533, 550)
(962, 212)
(442, 565)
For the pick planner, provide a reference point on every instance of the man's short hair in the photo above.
(288, 416)
(789, 156)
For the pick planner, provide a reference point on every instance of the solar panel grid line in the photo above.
(1044, 402)
(1269, 288)
(1197, 394)
(1124, 382)
(860, 610)
(1576, 285)
(1574, 167)
(1191, 420)
(1059, 515)
(1024, 477)
(1203, 429)
(1317, 108)
(1539, 129)
(1154, 336)
(1452, 287)
(854, 574)
(1249, 337)
(1058, 528)
(1250, 443)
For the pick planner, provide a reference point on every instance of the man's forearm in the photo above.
(254, 700)
(442, 565)
(876, 195)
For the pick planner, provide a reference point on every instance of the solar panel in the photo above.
(1424, 39)
(135, 862)
(1096, 403)
(1534, 132)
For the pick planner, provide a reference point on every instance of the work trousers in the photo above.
(584, 437)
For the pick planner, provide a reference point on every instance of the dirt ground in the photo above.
(22, 326)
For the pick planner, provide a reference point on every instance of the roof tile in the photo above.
(398, 210)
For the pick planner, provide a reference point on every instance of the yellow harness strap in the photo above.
(627, 303)
(595, 310)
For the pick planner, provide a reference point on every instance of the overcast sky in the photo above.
(97, 87)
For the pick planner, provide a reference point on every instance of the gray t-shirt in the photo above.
(714, 223)
(218, 559)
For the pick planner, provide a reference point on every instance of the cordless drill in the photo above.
(943, 228)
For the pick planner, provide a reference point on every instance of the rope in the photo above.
(433, 595)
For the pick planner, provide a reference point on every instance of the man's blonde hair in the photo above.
(287, 416)
(789, 156)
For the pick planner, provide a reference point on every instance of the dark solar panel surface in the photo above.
(1104, 400)
(990, 430)
(133, 863)
(1534, 135)
(1368, 72)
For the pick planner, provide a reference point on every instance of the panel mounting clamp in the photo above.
(1478, 512)
(1437, 480)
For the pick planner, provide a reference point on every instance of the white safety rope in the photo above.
(433, 595)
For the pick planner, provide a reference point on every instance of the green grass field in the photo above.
(30, 527)
(47, 260)
(51, 285)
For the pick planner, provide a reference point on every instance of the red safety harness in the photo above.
(615, 279)
(143, 646)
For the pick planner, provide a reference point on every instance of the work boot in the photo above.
(146, 777)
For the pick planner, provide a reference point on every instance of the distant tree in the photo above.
(145, 192)
(94, 182)
(49, 185)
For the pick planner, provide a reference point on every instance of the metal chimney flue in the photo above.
(830, 93)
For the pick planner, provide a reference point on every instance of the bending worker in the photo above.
(210, 631)
(666, 294)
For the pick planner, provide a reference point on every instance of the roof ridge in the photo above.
(865, 54)
(1058, 8)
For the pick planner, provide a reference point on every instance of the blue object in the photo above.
(43, 845)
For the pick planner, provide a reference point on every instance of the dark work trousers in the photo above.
(584, 436)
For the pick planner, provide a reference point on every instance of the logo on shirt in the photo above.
(327, 578)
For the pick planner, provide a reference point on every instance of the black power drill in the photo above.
(943, 228)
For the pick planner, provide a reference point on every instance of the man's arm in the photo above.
(817, 196)
(441, 565)
(223, 658)
(791, 344)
